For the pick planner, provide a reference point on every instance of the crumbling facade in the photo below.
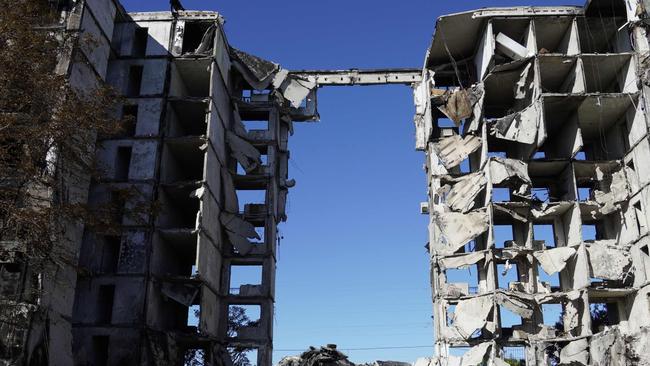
(209, 148)
(197, 180)
(535, 129)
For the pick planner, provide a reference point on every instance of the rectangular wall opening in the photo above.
(250, 196)
(195, 357)
(543, 278)
(603, 315)
(193, 35)
(545, 233)
(508, 318)
(105, 298)
(502, 235)
(135, 80)
(515, 356)
(507, 274)
(140, 37)
(123, 163)
(187, 118)
(243, 355)
(552, 314)
(129, 120)
(100, 350)
(110, 254)
(246, 280)
(241, 317)
(463, 279)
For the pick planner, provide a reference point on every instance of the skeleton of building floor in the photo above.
(542, 103)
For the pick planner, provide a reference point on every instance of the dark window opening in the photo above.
(140, 37)
(105, 299)
(100, 350)
(129, 120)
(123, 163)
(193, 35)
(603, 315)
(135, 81)
(117, 203)
(111, 254)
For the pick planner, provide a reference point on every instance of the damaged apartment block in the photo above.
(534, 124)
(206, 148)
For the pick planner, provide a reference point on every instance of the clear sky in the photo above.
(352, 268)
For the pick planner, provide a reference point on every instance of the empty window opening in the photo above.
(508, 318)
(545, 233)
(542, 193)
(515, 356)
(256, 125)
(502, 235)
(539, 155)
(552, 315)
(585, 193)
(135, 81)
(123, 163)
(603, 315)
(129, 120)
(246, 280)
(195, 357)
(260, 232)
(182, 161)
(193, 315)
(602, 35)
(461, 277)
(117, 206)
(140, 38)
(243, 355)
(241, 317)
(545, 279)
(470, 247)
(105, 299)
(250, 196)
(589, 232)
(501, 194)
(506, 274)
(581, 156)
(465, 166)
(640, 219)
(497, 154)
(451, 309)
(193, 35)
(446, 123)
(100, 350)
(110, 254)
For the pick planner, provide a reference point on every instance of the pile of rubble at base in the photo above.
(329, 356)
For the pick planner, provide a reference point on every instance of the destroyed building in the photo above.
(535, 127)
(207, 145)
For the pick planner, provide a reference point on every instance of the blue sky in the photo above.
(352, 268)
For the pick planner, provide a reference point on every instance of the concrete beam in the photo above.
(361, 77)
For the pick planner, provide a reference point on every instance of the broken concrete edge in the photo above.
(262, 75)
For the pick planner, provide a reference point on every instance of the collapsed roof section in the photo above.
(295, 93)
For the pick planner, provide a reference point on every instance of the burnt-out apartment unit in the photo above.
(197, 180)
(535, 127)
